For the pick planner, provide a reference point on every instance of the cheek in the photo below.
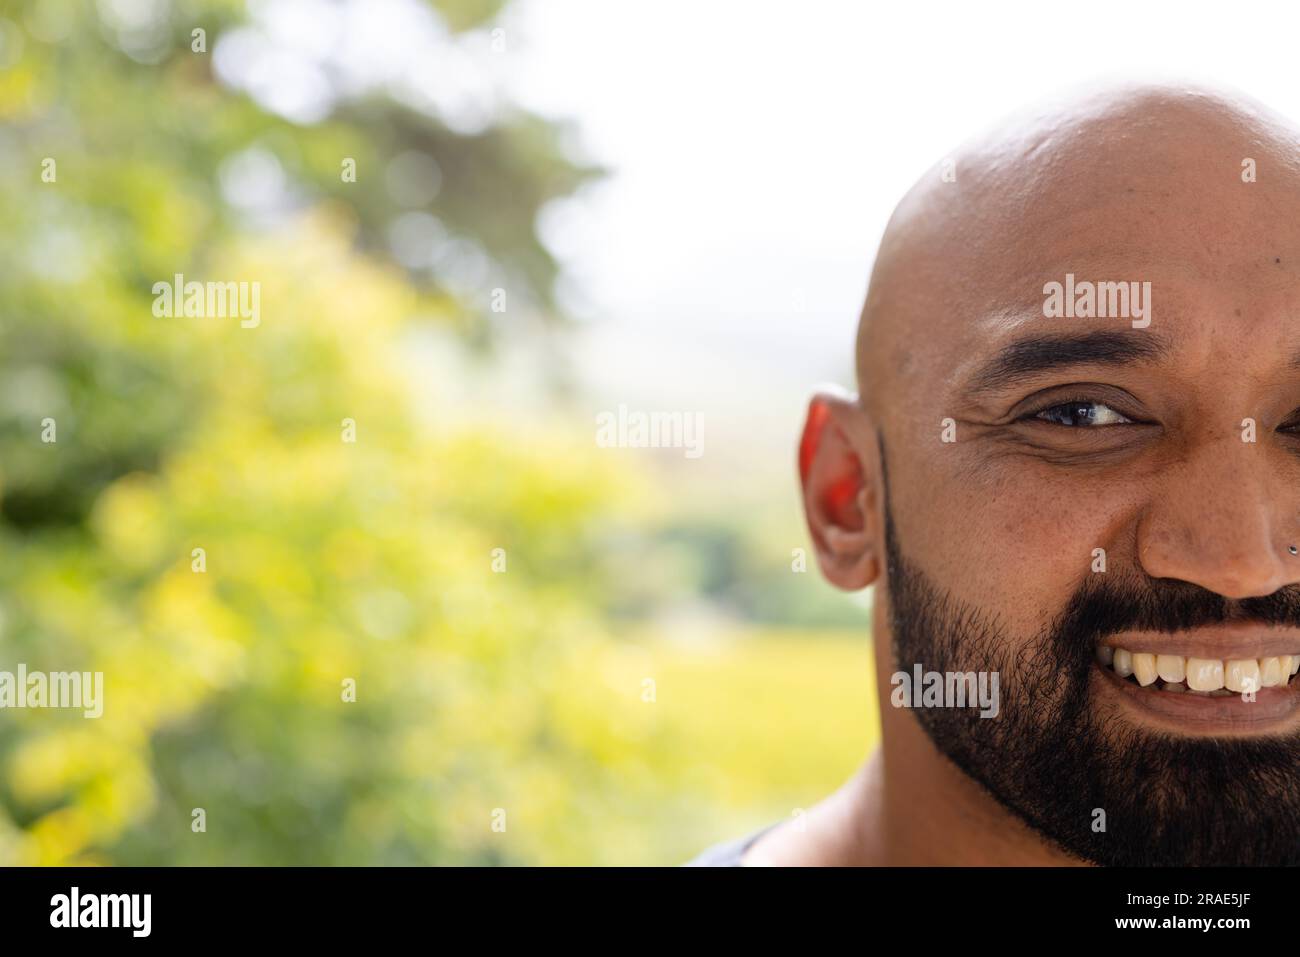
(1014, 545)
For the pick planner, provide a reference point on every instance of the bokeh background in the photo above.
(679, 203)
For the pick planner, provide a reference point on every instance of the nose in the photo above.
(1225, 518)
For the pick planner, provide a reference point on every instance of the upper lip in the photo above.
(1236, 640)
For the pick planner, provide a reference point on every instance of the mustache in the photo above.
(1106, 605)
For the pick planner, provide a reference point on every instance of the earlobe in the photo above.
(839, 491)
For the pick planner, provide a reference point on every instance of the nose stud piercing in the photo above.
(1292, 549)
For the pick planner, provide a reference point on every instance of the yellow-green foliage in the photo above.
(481, 696)
(325, 560)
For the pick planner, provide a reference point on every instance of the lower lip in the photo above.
(1203, 713)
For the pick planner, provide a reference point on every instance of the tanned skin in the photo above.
(1132, 183)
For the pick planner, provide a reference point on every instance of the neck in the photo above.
(923, 810)
(907, 805)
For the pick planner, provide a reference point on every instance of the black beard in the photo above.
(1051, 757)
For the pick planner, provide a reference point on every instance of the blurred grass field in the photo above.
(754, 723)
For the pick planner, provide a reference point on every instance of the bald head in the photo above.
(1123, 183)
(1082, 355)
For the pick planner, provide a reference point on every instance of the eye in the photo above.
(1081, 414)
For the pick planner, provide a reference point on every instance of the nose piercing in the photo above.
(1292, 549)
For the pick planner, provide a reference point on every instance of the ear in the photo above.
(838, 471)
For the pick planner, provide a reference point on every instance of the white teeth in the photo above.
(1204, 674)
(1144, 669)
(1172, 668)
(1242, 674)
(1200, 675)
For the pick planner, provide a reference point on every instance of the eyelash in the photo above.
(1073, 404)
(1290, 427)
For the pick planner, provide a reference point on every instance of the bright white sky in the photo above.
(758, 149)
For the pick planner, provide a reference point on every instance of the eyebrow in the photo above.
(1029, 357)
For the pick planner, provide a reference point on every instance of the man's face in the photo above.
(1109, 770)
(1068, 495)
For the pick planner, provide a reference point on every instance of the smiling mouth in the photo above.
(1208, 677)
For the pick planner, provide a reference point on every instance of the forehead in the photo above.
(1233, 313)
(1215, 278)
(1197, 197)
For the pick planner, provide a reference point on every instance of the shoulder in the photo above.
(729, 853)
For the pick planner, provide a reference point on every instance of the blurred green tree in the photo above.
(340, 611)
(327, 564)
